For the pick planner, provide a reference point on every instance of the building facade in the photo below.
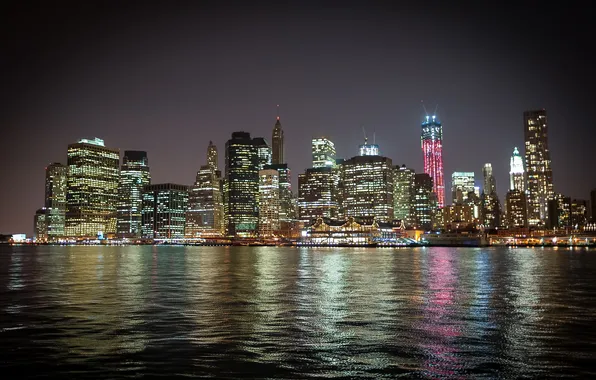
(269, 205)
(277, 144)
(92, 190)
(55, 200)
(287, 202)
(424, 202)
(242, 186)
(578, 213)
(164, 211)
(204, 217)
(323, 152)
(538, 167)
(516, 209)
(559, 212)
(316, 194)
(368, 187)
(263, 152)
(491, 207)
(40, 225)
(517, 177)
(212, 157)
(403, 190)
(134, 176)
(462, 183)
(432, 148)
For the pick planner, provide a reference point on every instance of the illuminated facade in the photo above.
(277, 142)
(457, 215)
(263, 151)
(578, 210)
(55, 200)
(212, 155)
(323, 152)
(538, 166)
(204, 217)
(287, 202)
(92, 189)
(368, 187)
(516, 172)
(516, 207)
(462, 184)
(315, 194)
(164, 211)
(134, 176)
(269, 207)
(559, 212)
(491, 207)
(242, 186)
(367, 149)
(40, 225)
(432, 148)
(424, 202)
(403, 190)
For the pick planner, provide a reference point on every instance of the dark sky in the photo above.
(167, 79)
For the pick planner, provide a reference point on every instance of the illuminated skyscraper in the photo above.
(323, 152)
(315, 194)
(559, 212)
(516, 172)
(491, 207)
(462, 183)
(204, 217)
(277, 141)
(242, 186)
(92, 189)
(55, 200)
(538, 166)
(403, 189)
(367, 149)
(263, 151)
(269, 207)
(516, 206)
(432, 148)
(134, 176)
(164, 211)
(40, 225)
(368, 187)
(212, 155)
(423, 201)
(578, 213)
(287, 205)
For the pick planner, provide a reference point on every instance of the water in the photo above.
(273, 312)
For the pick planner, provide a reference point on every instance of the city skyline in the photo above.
(172, 109)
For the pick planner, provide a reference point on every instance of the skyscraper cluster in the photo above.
(94, 196)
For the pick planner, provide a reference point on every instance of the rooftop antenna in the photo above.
(278, 112)
(435, 113)
(374, 136)
(364, 131)
(424, 107)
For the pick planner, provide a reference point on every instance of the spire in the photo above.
(277, 142)
(278, 112)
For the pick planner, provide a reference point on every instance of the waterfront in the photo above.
(285, 312)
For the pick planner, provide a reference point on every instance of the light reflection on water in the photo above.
(236, 312)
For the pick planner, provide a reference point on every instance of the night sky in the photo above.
(167, 79)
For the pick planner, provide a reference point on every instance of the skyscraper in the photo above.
(277, 142)
(92, 189)
(315, 194)
(516, 207)
(423, 201)
(269, 206)
(242, 186)
(287, 205)
(462, 183)
(368, 187)
(367, 149)
(323, 152)
(55, 200)
(516, 172)
(491, 207)
(432, 148)
(164, 211)
(40, 225)
(212, 155)
(134, 176)
(403, 189)
(204, 217)
(263, 151)
(538, 166)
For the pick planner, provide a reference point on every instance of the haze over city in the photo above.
(168, 79)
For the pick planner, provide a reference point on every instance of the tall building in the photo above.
(423, 201)
(55, 200)
(578, 213)
(242, 186)
(403, 189)
(516, 172)
(491, 207)
(204, 217)
(263, 151)
(134, 176)
(277, 142)
(462, 183)
(92, 189)
(212, 155)
(538, 166)
(323, 152)
(287, 203)
(40, 225)
(559, 212)
(367, 149)
(368, 187)
(269, 206)
(432, 148)
(516, 207)
(164, 211)
(315, 194)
